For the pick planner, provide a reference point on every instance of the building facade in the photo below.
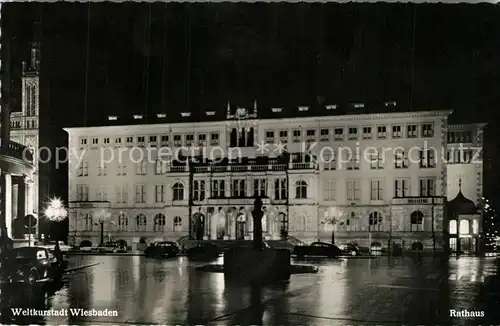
(465, 161)
(371, 178)
(16, 163)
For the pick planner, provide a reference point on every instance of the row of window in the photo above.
(30, 124)
(245, 137)
(237, 189)
(375, 222)
(377, 160)
(178, 140)
(427, 188)
(464, 136)
(123, 223)
(352, 133)
(464, 228)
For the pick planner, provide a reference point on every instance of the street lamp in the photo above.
(56, 212)
(103, 216)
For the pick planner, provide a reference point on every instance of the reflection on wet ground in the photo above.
(357, 291)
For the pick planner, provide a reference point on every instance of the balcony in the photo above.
(16, 159)
(243, 168)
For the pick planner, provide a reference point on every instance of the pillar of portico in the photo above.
(7, 202)
(214, 221)
(21, 203)
(249, 223)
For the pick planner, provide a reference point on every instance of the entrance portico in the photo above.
(234, 223)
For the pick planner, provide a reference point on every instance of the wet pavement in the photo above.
(380, 291)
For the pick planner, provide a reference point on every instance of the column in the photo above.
(28, 195)
(214, 221)
(21, 206)
(249, 222)
(15, 201)
(7, 203)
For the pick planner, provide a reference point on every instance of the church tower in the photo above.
(25, 124)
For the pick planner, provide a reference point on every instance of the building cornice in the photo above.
(166, 127)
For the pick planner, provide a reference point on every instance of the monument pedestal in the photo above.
(251, 266)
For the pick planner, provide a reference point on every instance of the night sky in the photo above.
(191, 57)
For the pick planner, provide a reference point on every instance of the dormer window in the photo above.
(303, 108)
(112, 118)
(152, 141)
(210, 113)
(140, 141)
(161, 115)
(137, 116)
(185, 114)
(277, 110)
(331, 107)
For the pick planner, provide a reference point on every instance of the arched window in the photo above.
(160, 222)
(464, 227)
(417, 221)
(88, 223)
(374, 221)
(453, 227)
(300, 189)
(140, 222)
(177, 223)
(178, 191)
(122, 222)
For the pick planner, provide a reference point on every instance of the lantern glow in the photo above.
(56, 210)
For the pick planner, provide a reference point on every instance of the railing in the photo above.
(18, 151)
(244, 168)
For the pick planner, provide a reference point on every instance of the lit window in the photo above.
(464, 227)
(453, 227)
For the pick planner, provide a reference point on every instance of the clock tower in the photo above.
(25, 124)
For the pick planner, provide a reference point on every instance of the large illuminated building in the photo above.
(16, 162)
(392, 189)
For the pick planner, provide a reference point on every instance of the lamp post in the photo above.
(56, 212)
(102, 217)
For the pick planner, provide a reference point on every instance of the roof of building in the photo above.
(254, 110)
(461, 205)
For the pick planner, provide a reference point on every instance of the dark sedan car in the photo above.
(162, 249)
(317, 249)
(32, 265)
(203, 251)
(350, 249)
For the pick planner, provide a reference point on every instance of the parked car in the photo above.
(52, 244)
(112, 247)
(85, 246)
(34, 264)
(203, 251)
(162, 249)
(350, 249)
(317, 249)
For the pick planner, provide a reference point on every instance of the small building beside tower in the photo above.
(464, 225)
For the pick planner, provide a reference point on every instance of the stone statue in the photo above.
(257, 214)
